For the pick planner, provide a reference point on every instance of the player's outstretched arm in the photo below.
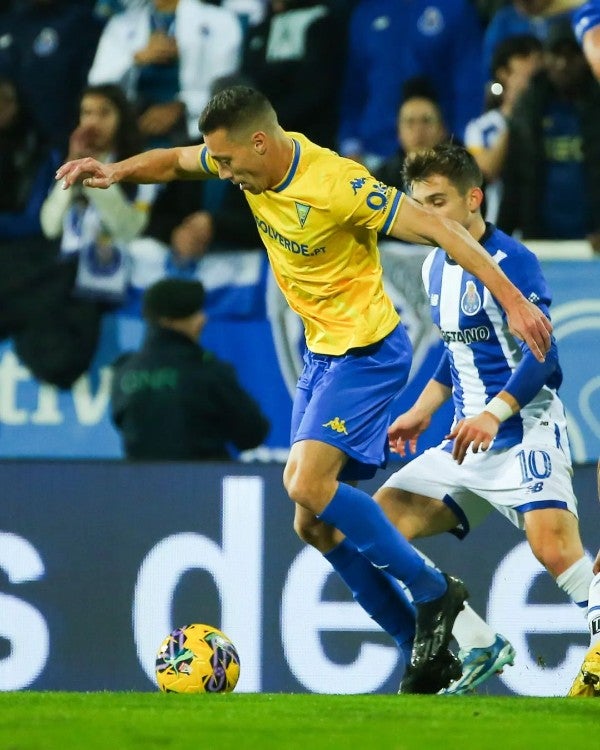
(406, 428)
(157, 165)
(416, 224)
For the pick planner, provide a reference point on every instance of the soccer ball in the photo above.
(197, 659)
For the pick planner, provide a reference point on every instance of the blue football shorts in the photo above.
(346, 401)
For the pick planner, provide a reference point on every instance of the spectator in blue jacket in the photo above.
(47, 49)
(510, 21)
(391, 41)
(584, 16)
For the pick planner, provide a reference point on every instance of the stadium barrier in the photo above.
(101, 559)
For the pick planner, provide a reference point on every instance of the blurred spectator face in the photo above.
(519, 70)
(566, 65)
(420, 125)
(100, 118)
(9, 106)
(516, 74)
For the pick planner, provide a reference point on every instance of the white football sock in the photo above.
(593, 613)
(471, 631)
(576, 581)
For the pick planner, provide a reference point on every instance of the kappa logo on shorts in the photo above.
(337, 425)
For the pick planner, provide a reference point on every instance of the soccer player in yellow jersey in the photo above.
(318, 216)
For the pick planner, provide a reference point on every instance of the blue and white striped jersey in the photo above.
(481, 357)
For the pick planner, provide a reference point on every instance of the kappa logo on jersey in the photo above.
(357, 184)
(470, 302)
(376, 200)
(434, 300)
(302, 210)
(337, 425)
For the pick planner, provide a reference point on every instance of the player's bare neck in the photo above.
(477, 228)
(283, 156)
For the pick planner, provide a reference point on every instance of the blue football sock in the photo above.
(380, 595)
(359, 518)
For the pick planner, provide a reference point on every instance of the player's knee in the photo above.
(293, 482)
(306, 490)
(314, 532)
(401, 507)
(296, 486)
(554, 539)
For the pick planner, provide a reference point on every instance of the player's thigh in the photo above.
(311, 471)
(415, 515)
(417, 498)
(428, 496)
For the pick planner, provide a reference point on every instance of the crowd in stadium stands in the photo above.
(372, 79)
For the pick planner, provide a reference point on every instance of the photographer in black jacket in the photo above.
(173, 400)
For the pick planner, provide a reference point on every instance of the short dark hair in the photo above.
(446, 159)
(172, 298)
(419, 87)
(235, 108)
(519, 45)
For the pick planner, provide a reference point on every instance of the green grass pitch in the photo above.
(144, 721)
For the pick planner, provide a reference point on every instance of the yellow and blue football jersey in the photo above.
(319, 226)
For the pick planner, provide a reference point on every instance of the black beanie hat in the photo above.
(173, 298)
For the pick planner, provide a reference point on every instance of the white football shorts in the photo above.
(534, 474)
